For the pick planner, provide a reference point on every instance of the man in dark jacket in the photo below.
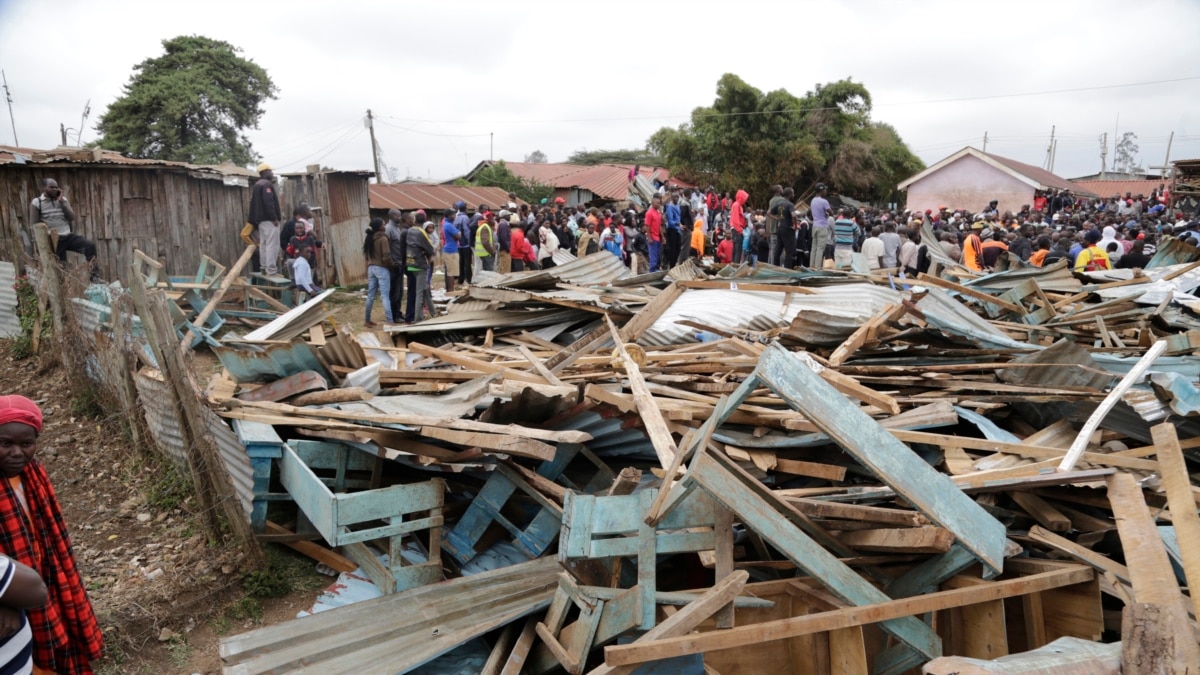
(397, 234)
(418, 256)
(266, 216)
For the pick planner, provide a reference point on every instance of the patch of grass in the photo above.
(180, 650)
(167, 488)
(284, 573)
(86, 403)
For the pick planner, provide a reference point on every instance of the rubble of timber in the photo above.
(738, 470)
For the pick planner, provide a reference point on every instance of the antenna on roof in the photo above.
(8, 97)
(87, 110)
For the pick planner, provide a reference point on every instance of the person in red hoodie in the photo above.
(737, 221)
(724, 249)
(654, 221)
(522, 252)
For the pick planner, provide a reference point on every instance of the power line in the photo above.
(426, 133)
(812, 109)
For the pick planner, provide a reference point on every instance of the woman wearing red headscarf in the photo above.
(66, 638)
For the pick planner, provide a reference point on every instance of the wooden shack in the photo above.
(343, 215)
(172, 211)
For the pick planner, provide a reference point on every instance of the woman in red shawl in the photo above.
(66, 638)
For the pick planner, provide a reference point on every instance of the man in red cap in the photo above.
(66, 637)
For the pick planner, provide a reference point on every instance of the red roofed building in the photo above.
(590, 185)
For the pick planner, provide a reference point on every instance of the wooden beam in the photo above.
(1042, 511)
(811, 469)
(1182, 500)
(930, 491)
(682, 622)
(314, 550)
(900, 540)
(781, 629)
(1022, 449)
(1169, 633)
(652, 418)
(511, 445)
(969, 292)
(215, 300)
(856, 512)
(471, 363)
(648, 314)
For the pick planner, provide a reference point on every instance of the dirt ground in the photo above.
(162, 595)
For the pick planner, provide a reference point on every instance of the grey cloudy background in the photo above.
(563, 76)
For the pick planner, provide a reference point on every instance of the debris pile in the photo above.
(739, 470)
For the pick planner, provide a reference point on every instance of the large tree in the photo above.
(499, 175)
(593, 157)
(751, 140)
(192, 104)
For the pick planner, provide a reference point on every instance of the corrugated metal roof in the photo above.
(10, 323)
(410, 197)
(599, 268)
(763, 310)
(74, 156)
(1108, 188)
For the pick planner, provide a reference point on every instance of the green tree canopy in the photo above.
(499, 175)
(750, 140)
(594, 157)
(192, 104)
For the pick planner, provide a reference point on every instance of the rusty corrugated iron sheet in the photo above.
(10, 323)
(409, 197)
(75, 156)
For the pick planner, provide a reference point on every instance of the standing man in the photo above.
(891, 245)
(820, 228)
(266, 217)
(462, 222)
(773, 223)
(52, 208)
(782, 246)
(397, 234)
(737, 221)
(654, 221)
(672, 215)
(686, 219)
(845, 233)
(485, 242)
(504, 243)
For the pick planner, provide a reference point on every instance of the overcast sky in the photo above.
(562, 76)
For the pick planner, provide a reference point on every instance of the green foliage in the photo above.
(498, 175)
(283, 573)
(751, 140)
(593, 157)
(192, 104)
(28, 314)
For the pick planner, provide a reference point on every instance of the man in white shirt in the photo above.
(302, 272)
(873, 249)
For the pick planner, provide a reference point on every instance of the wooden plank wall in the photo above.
(345, 214)
(168, 214)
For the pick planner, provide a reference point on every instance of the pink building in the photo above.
(970, 179)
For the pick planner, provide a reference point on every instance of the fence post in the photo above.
(50, 281)
(213, 487)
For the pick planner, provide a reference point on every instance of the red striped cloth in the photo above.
(66, 637)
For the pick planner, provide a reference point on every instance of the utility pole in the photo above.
(1050, 151)
(1103, 154)
(1167, 159)
(985, 141)
(491, 145)
(62, 129)
(8, 97)
(374, 147)
(1053, 155)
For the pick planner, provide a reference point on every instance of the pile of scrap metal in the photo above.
(750, 471)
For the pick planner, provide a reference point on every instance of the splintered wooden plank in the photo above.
(1153, 579)
(1183, 505)
(930, 491)
(656, 426)
(808, 624)
(759, 515)
(900, 540)
(692, 615)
